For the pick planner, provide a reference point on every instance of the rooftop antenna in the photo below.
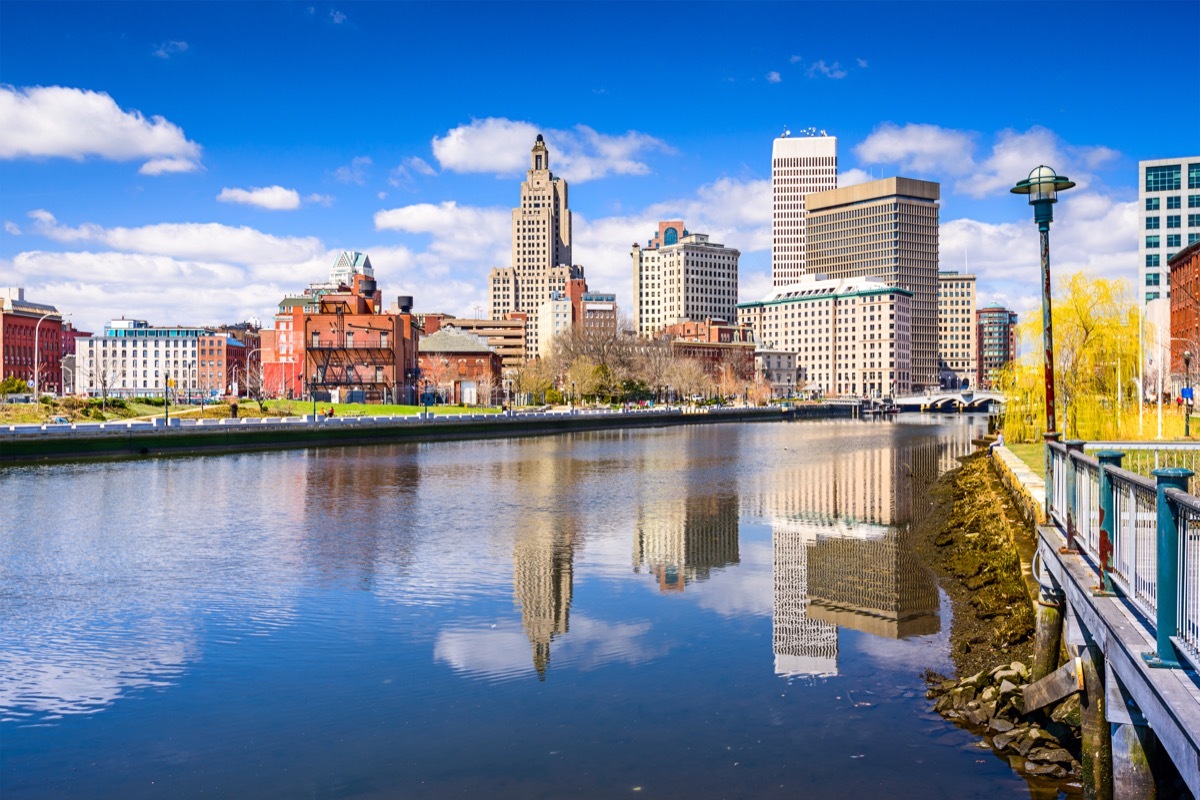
(786, 132)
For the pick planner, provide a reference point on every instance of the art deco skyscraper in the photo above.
(541, 247)
(799, 166)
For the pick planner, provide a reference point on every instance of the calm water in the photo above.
(728, 611)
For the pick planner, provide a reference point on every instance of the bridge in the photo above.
(949, 400)
(1118, 564)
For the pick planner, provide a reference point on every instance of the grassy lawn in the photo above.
(1032, 454)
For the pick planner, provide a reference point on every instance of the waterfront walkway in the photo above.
(1120, 556)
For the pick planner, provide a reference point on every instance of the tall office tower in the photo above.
(680, 276)
(799, 166)
(1168, 223)
(997, 343)
(885, 229)
(956, 330)
(541, 246)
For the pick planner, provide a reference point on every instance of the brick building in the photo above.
(505, 336)
(1185, 306)
(459, 367)
(30, 341)
(715, 344)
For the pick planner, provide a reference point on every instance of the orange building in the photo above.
(1185, 307)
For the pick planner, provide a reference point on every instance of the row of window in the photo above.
(1167, 178)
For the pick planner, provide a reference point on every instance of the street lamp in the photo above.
(37, 356)
(1043, 186)
(572, 395)
(1187, 394)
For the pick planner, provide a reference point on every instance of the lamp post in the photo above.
(37, 356)
(1187, 395)
(1042, 186)
(572, 396)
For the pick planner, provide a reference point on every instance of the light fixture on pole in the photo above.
(37, 355)
(1042, 186)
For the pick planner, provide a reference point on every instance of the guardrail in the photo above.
(1141, 534)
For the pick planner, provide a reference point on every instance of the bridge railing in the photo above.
(1141, 534)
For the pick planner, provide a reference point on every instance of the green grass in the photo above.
(1033, 455)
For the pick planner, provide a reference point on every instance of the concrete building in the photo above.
(799, 167)
(886, 229)
(541, 247)
(996, 340)
(853, 336)
(30, 341)
(957, 367)
(1169, 211)
(724, 350)
(680, 276)
(779, 370)
(590, 314)
(459, 367)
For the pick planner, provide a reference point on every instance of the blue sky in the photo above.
(192, 162)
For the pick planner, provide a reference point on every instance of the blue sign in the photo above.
(1186, 392)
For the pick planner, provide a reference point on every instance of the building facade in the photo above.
(505, 336)
(996, 339)
(779, 370)
(30, 342)
(888, 230)
(725, 350)
(681, 276)
(852, 337)
(590, 314)
(1169, 212)
(541, 246)
(1185, 309)
(459, 367)
(133, 358)
(957, 365)
(799, 167)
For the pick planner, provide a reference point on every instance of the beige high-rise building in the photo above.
(956, 330)
(680, 276)
(799, 166)
(541, 246)
(886, 229)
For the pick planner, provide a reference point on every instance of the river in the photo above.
(711, 611)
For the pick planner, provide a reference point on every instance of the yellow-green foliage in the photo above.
(1095, 325)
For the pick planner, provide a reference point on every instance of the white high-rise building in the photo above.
(680, 276)
(799, 166)
(956, 330)
(1169, 207)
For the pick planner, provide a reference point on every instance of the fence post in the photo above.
(1167, 553)
(1073, 446)
(1049, 472)
(1108, 517)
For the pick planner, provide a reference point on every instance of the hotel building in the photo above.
(997, 342)
(681, 276)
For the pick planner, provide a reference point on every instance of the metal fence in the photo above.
(1141, 533)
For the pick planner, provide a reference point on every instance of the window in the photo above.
(1151, 296)
(1152, 240)
(1173, 201)
(1165, 179)
(1193, 238)
(1151, 223)
(1152, 260)
(1194, 201)
(1194, 220)
(1172, 220)
(1152, 204)
(1152, 279)
(1194, 176)
(1173, 240)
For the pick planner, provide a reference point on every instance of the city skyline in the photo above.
(195, 163)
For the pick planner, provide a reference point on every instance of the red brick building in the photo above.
(459, 367)
(1185, 307)
(30, 341)
(715, 344)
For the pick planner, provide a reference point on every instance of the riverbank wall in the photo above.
(1026, 487)
(22, 444)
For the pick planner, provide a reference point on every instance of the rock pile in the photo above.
(991, 704)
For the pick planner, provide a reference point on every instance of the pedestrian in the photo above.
(998, 443)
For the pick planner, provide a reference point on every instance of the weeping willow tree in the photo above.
(1096, 359)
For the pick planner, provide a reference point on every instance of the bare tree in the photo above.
(101, 371)
(485, 386)
(436, 371)
(534, 377)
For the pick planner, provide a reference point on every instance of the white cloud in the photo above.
(853, 177)
(833, 70)
(796, 59)
(919, 148)
(862, 63)
(1014, 154)
(168, 49)
(337, 16)
(355, 171)
(189, 240)
(320, 199)
(774, 77)
(12, 228)
(501, 146)
(459, 234)
(61, 122)
(272, 198)
(402, 175)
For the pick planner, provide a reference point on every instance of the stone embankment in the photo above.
(978, 538)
